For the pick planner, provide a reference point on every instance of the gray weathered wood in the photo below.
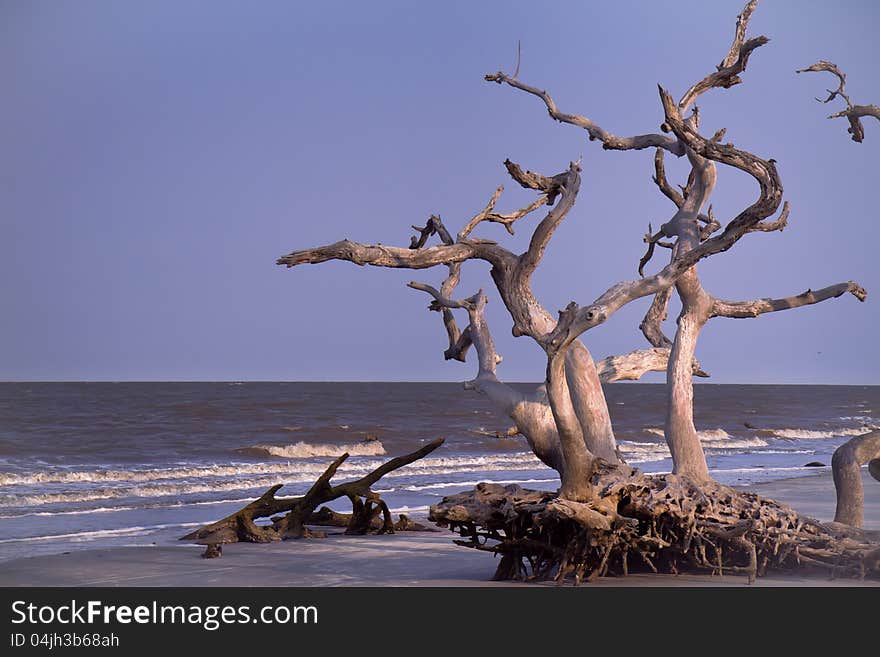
(846, 464)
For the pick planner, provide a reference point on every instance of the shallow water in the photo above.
(97, 464)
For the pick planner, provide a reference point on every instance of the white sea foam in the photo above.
(102, 533)
(705, 435)
(713, 435)
(409, 509)
(734, 443)
(238, 469)
(304, 450)
(293, 474)
(715, 438)
(146, 490)
(116, 509)
(809, 434)
(187, 472)
(637, 452)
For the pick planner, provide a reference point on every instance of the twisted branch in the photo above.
(853, 113)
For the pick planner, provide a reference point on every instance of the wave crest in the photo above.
(809, 434)
(304, 450)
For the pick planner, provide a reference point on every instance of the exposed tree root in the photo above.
(369, 513)
(656, 523)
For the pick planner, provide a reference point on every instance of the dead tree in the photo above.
(852, 113)
(691, 227)
(300, 511)
(846, 464)
(605, 510)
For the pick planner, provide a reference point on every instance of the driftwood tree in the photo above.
(605, 510)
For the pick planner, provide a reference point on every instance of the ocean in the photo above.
(86, 465)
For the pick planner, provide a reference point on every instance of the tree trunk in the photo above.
(589, 403)
(681, 434)
(579, 461)
(846, 464)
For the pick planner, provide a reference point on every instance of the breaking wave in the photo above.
(711, 436)
(519, 460)
(293, 473)
(809, 434)
(304, 450)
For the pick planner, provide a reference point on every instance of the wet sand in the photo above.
(406, 559)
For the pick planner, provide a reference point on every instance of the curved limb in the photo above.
(853, 113)
(733, 64)
(846, 464)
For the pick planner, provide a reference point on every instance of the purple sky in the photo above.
(157, 157)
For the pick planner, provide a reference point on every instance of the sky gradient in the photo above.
(158, 157)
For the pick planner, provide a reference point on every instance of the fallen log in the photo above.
(369, 513)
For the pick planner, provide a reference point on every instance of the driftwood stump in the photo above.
(650, 523)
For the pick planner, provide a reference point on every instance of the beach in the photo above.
(87, 466)
(422, 559)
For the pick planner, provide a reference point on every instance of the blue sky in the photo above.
(157, 157)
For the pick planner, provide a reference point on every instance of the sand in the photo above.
(406, 559)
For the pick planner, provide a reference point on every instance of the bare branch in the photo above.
(478, 330)
(569, 185)
(439, 300)
(854, 116)
(712, 224)
(652, 241)
(433, 226)
(380, 255)
(458, 349)
(481, 216)
(551, 186)
(508, 219)
(609, 141)
(742, 24)
(853, 113)
(746, 309)
(770, 226)
(823, 65)
(635, 364)
(763, 171)
(652, 324)
(660, 180)
(632, 366)
(733, 64)
(518, 58)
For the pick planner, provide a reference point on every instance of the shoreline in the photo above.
(423, 559)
